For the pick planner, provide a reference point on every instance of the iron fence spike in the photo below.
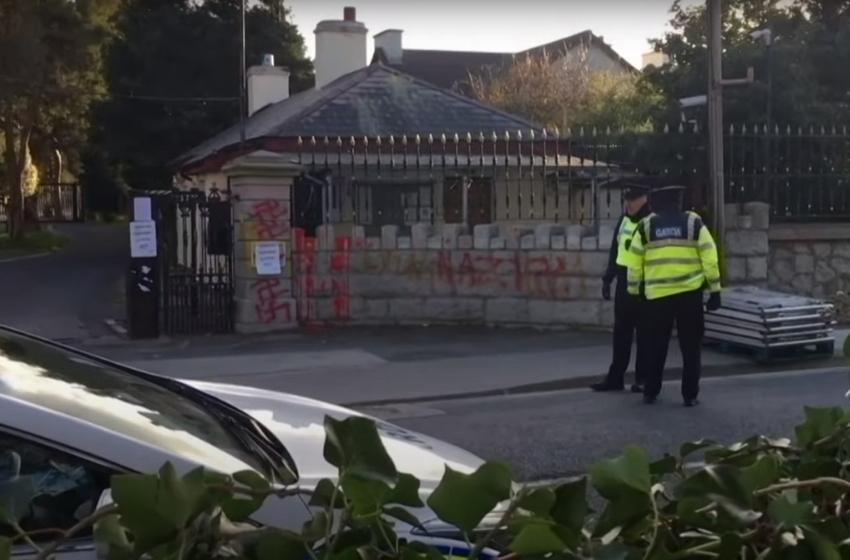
(312, 140)
(544, 134)
(378, 140)
(607, 131)
(339, 140)
(417, 139)
(481, 136)
(788, 129)
(353, 142)
(443, 138)
(732, 129)
(581, 131)
(531, 135)
(507, 136)
(456, 138)
(833, 129)
(404, 139)
(392, 140)
(494, 136)
(519, 135)
(300, 141)
(430, 138)
(681, 128)
(365, 140)
(593, 132)
(666, 128)
(469, 138)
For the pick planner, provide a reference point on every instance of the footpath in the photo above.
(386, 365)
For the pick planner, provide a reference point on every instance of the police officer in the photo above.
(627, 308)
(673, 258)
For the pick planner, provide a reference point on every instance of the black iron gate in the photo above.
(195, 261)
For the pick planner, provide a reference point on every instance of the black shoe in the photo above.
(606, 386)
(647, 399)
(637, 388)
(691, 402)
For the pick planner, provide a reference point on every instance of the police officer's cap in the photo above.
(635, 190)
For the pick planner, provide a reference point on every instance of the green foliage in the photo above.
(811, 47)
(566, 93)
(173, 80)
(756, 499)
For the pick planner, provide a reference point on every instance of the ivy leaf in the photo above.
(141, 504)
(730, 546)
(721, 480)
(253, 480)
(694, 446)
(315, 528)
(665, 465)
(538, 501)
(463, 500)
(5, 548)
(322, 495)
(613, 551)
(821, 547)
(404, 516)
(788, 512)
(354, 446)
(109, 532)
(536, 539)
(405, 492)
(819, 423)
(570, 508)
(367, 496)
(623, 476)
(764, 472)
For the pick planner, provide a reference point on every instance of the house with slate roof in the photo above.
(382, 147)
(452, 69)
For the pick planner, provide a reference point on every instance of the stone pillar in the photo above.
(261, 186)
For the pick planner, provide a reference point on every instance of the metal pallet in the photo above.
(771, 325)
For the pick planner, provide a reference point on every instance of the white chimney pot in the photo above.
(267, 84)
(389, 41)
(340, 48)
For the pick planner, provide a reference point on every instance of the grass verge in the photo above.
(33, 242)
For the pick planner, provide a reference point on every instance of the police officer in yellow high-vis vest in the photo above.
(673, 260)
(627, 308)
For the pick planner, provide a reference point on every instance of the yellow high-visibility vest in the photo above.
(672, 254)
(624, 239)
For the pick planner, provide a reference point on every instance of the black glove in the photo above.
(606, 291)
(713, 301)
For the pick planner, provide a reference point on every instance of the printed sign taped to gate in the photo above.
(142, 239)
(267, 257)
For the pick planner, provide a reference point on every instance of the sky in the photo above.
(496, 25)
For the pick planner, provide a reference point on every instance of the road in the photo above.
(67, 295)
(550, 435)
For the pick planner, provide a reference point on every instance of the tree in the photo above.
(565, 93)
(810, 53)
(174, 82)
(50, 62)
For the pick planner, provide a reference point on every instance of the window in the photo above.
(66, 488)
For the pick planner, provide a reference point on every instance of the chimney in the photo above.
(389, 41)
(267, 84)
(340, 47)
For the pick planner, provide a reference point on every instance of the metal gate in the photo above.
(195, 258)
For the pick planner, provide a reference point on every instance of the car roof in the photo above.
(41, 396)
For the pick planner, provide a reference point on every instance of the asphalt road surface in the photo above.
(67, 295)
(551, 435)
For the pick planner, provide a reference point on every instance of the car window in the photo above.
(49, 488)
(128, 404)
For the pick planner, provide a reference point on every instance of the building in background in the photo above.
(452, 69)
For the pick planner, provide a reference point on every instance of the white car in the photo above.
(71, 420)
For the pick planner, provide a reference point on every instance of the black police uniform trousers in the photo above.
(628, 319)
(686, 311)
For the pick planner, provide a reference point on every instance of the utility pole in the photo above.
(715, 118)
(242, 55)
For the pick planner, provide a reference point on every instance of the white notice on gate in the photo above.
(142, 239)
(267, 257)
(142, 208)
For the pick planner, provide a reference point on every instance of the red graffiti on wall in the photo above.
(272, 219)
(272, 301)
(311, 285)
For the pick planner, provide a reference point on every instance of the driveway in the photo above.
(67, 295)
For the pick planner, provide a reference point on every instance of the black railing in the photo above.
(54, 202)
(574, 176)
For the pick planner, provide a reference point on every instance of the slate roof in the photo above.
(373, 101)
(451, 69)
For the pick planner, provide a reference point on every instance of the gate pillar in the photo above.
(261, 188)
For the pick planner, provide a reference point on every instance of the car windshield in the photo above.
(137, 406)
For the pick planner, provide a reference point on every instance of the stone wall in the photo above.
(544, 276)
(746, 247)
(810, 259)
